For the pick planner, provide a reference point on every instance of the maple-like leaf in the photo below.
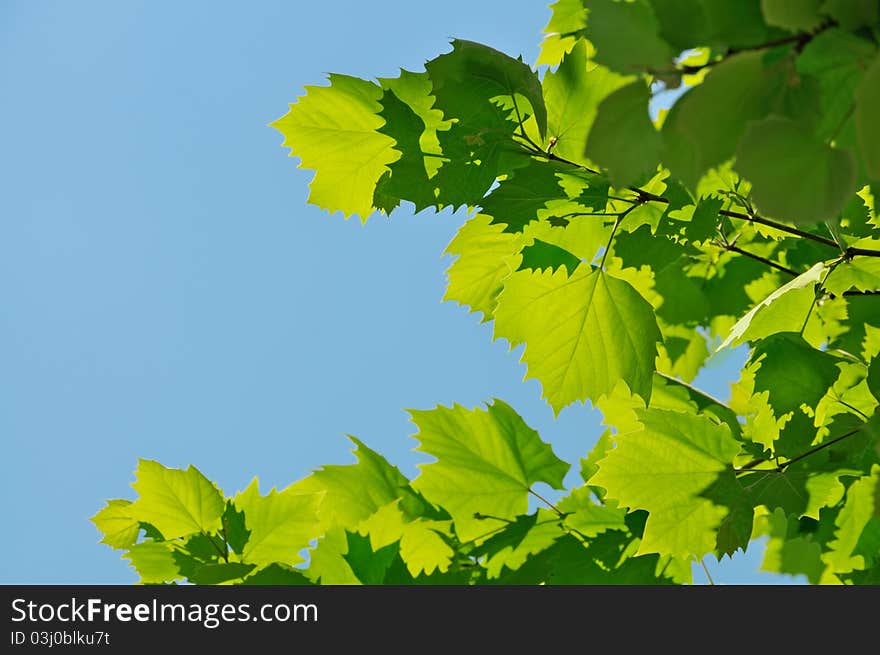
(663, 468)
(334, 131)
(281, 523)
(487, 461)
(583, 333)
(115, 521)
(784, 310)
(174, 501)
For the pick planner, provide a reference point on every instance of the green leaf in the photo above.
(486, 73)
(795, 177)
(368, 565)
(116, 522)
(518, 542)
(327, 565)
(487, 460)
(738, 90)
(857, 511)
(213, 574)
(352, 492)
(281, 524)
(789, 553)
(626, 36)
(583, 332)
(174, 501)
(837, 60)
(568, 17)
(234, 528)
(541, 255)
(486, 254)
(861, 273)
(623, 139)
(587, 518)
(682, 22)
(517, 200)
(573, 93)
(334, 131)
(873, 378)
(663, 468)
(424, 544)
(867, 103)
(154, 562)
(792, 15)
(852, 14)
(277, 574)
(406, 178)
(792, 371)
(784, 310)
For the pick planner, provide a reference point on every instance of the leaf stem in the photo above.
(706, 571)
(546, 502)
(220, 552)
(617, 221)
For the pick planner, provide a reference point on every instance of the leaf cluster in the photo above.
(623, 245)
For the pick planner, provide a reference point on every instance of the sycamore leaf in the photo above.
(852, 14)
(327, 565)
(369, 564)
(216, 573)
(234, 528)
(541, 255)
(794, 176)
(174, 501)
(482, 249)
(513, 546)
(573, 93)
(873, 378)
(277, 574)
(663, 468)
(789, 553)
(281, 523)
(487, 71)
(487, 460)
(567, 18)
(857, 511)
(784, 310)
(792, 371)
(623, 139)
(583, 333)
(116, 522)
(737, 90)
(154, 561)
(867, 128)
(421, 541)
(333, 130)
(406, 178)
(837, 60)
(626, 37)
(351, 493)
(516, 201)
(587, 518)
(792, 15)
(861, 273)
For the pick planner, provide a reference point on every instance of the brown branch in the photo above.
(780, 468)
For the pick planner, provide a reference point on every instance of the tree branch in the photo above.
(780, 468)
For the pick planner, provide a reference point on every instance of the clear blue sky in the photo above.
(168, 294)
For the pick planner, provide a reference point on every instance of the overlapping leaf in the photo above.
(487, 460)
(582, 332)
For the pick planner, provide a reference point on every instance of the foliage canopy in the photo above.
(621, 245)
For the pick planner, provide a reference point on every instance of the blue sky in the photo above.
(168, 294)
